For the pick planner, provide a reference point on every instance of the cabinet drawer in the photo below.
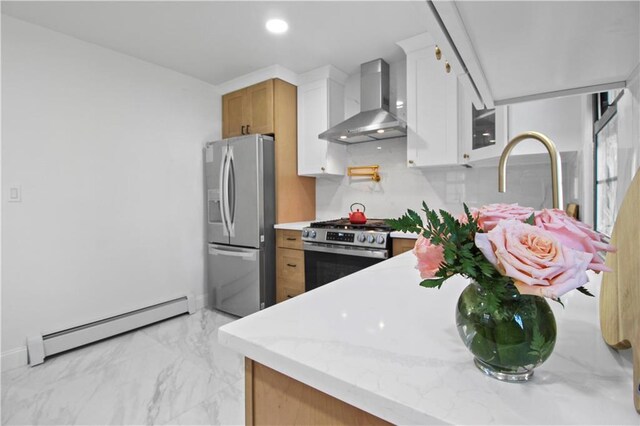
(290, 264)
(287, 290)
(401, 245)
(289, 239)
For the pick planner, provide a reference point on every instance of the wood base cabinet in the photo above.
(272, 398)
(289, 264)
(401, 245)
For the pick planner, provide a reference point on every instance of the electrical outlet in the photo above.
(15, 194)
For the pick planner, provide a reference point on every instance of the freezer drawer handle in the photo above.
(248, 256)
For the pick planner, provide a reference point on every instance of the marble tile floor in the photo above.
(174, 372)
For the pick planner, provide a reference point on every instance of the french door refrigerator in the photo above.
(240, 194)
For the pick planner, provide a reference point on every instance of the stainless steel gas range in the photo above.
(337, 248)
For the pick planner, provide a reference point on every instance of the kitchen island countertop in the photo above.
(380, 342)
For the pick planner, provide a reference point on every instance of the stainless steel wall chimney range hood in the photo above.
(374, 122)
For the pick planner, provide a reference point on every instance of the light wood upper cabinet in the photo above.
(234, 114)
(521, 51)
(260, 108)
(249, 111)
(320, 106)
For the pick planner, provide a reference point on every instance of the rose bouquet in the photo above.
(544, 253)
(512, 254)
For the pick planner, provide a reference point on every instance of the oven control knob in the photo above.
(371, 239)
(312, 234)
(380, 239)
(305, 233)
(362, 238)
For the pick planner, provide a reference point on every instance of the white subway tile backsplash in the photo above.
(402, 187)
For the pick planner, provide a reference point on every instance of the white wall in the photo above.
(107, 151)
(402, 187)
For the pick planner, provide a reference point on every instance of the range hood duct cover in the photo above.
(374, 122)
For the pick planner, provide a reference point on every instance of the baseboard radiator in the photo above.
(41, 346)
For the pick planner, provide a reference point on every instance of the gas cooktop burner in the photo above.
(343, 223)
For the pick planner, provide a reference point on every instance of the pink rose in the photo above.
(430, 257)
(462, 217)
(538, 263)
(576, 235)
(489, 216)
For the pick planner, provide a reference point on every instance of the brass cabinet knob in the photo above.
(438, 53)
(465, 156)
(410, 161)
(447, 67)
(322, 168)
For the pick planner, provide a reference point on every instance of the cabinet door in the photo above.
(320, 106)
(482, 133)
(259, 116)
(431, 111)
(312, 120)
(234, 113)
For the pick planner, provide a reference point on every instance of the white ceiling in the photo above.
(219, 41)
(527, 48)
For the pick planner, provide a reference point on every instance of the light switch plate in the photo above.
(15, 194)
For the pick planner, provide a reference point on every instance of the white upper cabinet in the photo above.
(526, 50)
(482, 133)
(320, 106)
(432, 115)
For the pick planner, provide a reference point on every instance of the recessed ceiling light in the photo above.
(381, 131)
(277, 26)
(343, 137)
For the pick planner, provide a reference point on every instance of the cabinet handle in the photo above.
(291, 239)
(447, 67)
(248, 132)
(410, 161)
(293, 265)
(322, 168)
(438, 53)
(242, 130)
(289, 296)
(465, 156)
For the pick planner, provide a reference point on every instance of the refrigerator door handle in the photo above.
(232, 180)
(223, 191)
(227, 195)
(244, 255)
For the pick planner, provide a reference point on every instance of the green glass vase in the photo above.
(508, 333)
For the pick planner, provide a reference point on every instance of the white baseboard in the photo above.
(18, 357)
(14, 358)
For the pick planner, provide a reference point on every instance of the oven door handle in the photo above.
(360, 252)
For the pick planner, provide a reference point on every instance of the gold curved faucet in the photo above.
(556, 165)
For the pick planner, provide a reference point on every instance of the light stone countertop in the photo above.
(378, 341)
(407, 235)
(293, 226)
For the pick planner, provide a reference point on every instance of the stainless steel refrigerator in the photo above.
(240, 195)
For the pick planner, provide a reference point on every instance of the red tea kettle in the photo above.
(357, 217)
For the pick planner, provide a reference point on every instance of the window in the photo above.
(605, 130)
